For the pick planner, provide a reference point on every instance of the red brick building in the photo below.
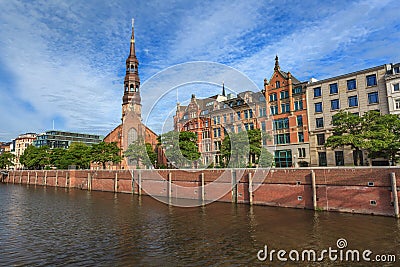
(132, 128)
(286, 99)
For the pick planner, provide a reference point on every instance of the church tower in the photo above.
(131, 100)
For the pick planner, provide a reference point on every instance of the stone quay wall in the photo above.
(365, 190)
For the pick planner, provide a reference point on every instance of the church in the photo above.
(131, 128)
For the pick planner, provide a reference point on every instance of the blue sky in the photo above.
(64, 60)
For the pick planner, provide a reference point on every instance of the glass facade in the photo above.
(59, 139)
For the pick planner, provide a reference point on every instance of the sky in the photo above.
(64, 61)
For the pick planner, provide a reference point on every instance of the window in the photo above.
(206, 124)
(300, 136)
(397, 103)
(317, 92)
(318, 107)
(274, 110)
(319, 122)
(373, 98)
(249, 126)
(285, 107)
(333, 88)
(298, 105)
(281, 124)
(231, 117)
(339, 158)
(284, 94)
(246, 114)
(335, 104)
(320, 139)
(371, 80)
(353, 101)
(396, 87)
(217, 132)
(277, 84)
(263, 126)
(322, 159)
(217, 145)
(238, 115)
(302, 152)
(396, 70)
(351, 84)
(263, 112)
(232, 129)
(282, 139)
(250, 113)
(272, 97)
(299, 120)
(283, 158)
(297, 90)
(224, 118)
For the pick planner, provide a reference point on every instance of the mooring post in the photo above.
(203, 192)
(20, 177)
(140, 182)
(169, 187)
(395, 195)
(133, 181)
(36, 178)
(67, 179)
(314, 190)
(116, 183)
(29, 180)
(251, 188)
(56, 183)
(234, 186)
(45, 178)
(13, 177)
(89, 181)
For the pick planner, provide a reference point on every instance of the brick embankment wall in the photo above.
(357, 190)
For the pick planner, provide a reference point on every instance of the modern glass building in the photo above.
(60, 139)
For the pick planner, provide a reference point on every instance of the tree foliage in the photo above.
(6, 160)
(105, 152)
(35, 158)
(377, 134)
(180, 147)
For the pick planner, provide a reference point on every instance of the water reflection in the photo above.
(54, 226)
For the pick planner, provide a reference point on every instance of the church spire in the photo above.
(132, 80)
(132, 52)
(223, 89)
(277, 63)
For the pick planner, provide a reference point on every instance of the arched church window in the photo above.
(137, 88)
(132, 89)
(132, 136)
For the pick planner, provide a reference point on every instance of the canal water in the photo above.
(47, 226)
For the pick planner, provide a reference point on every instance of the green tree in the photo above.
(349, 130)
(180, 147)
(266, 159)
(35, 158)
(235, 149)
(105, 152)
(6, 160)
(151, 153)
(78, 154)
(137, 154)
(383, 135)
(59, 159)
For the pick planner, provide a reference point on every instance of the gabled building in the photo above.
(211, 118)
(287, 112)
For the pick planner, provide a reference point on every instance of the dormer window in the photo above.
(277, 84)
